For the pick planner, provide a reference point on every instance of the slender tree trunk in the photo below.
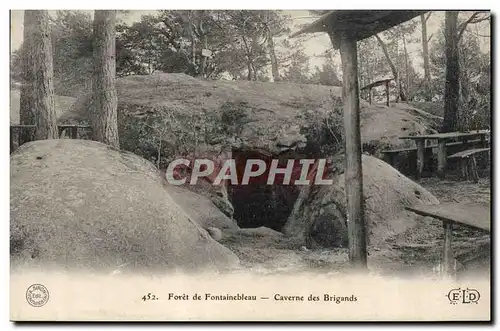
(425, 54)
(400, 91)
(407, 69)
(204, 58)
(254, 71)
(272, 53)
(452, 83)
(37, 92)
(193, 50)
(249, 66)
(104, 120)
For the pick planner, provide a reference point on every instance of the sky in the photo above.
(314, 47)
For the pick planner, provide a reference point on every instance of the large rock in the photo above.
(200, 209)
(82, 204)
(188, 113)
(319, 215)
(168, 116)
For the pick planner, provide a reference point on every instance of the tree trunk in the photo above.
(407, 69)
(249, 66)
(400, 91)
(254, 71)
(425, 54)
(204, 58)
(272, 53)
(104, 120)
(37, 92)
(452, 83)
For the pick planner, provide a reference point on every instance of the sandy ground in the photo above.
(412, 253)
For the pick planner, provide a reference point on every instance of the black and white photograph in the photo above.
(250, 165)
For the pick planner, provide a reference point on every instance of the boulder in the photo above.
(200, 209)
(242, 114)
(319, 215)
(162, 117)
(82, 204)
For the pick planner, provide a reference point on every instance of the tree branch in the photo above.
(428, 16)
(473, 19)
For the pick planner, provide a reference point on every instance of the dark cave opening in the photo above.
(258, 203)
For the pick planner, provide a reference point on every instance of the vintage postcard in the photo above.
(250, 165)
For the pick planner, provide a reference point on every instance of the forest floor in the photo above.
(413, 253)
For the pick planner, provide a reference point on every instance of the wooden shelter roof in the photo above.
(358, 24)
(377, 83)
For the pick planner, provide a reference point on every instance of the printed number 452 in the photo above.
(149, 296)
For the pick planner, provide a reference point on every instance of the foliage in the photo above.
(162, 135)
(475, 78)
(324, 134)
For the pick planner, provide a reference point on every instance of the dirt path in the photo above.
(414, 252)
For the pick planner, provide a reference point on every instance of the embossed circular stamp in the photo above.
(37, 295)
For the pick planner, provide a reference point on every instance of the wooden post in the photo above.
(387, 93)
(447, 258)
(420, 157)
(12, 139)
(353, 165)
(74, 132)
(473, 166)
(441, 156)
(483, 141)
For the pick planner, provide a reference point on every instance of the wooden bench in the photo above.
(468, 163)
(476, 215)
(391, 153)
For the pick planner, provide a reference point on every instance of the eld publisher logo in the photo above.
(468, 295)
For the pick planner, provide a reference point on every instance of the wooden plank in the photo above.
(447, 258)
(69, 126)
(468, 152)
(395, 151)
(448, 135)
(477, 215)
(353, 166)
(409, 149)
(359, 24)
(20, 126)
(441, 158)
(377, 83)
(63, 126)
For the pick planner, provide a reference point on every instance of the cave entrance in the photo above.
(259, 204)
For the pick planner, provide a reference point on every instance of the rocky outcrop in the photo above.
(81, 204)
(319, 215)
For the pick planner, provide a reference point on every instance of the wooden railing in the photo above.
(16, 129)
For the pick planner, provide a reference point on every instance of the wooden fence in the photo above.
(16, 129)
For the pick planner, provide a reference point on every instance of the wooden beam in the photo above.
(353, 166)
(377, 83)
(360, 24)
